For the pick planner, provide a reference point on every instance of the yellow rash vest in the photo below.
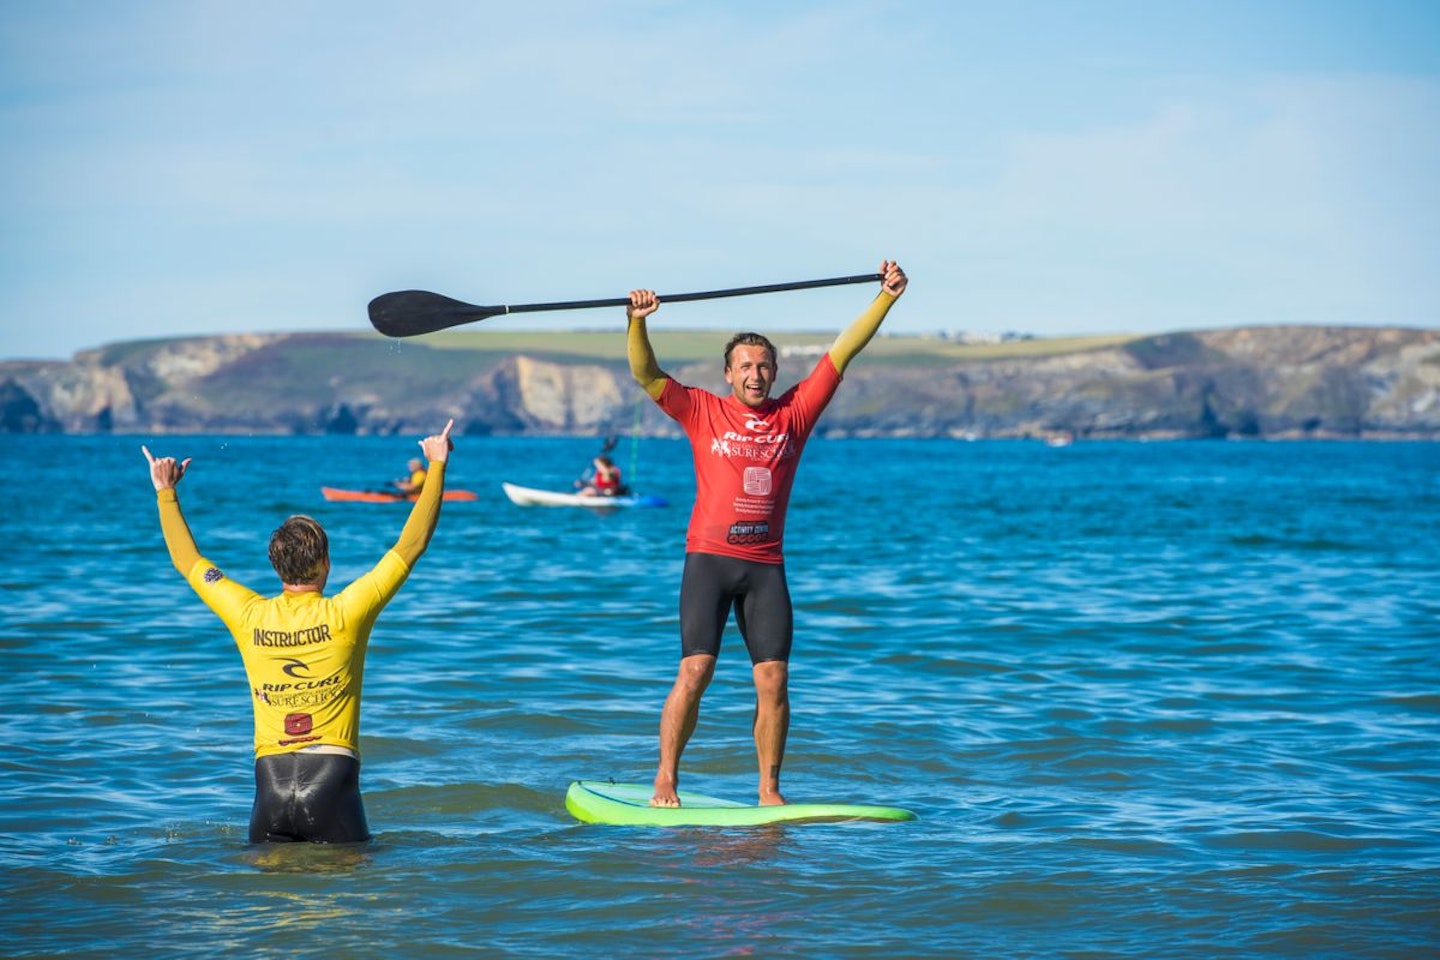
(304, 652)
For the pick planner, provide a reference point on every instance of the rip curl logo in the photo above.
(757, 531)
(766, 447)
(756, 425)
(296, 668)
(213, 575)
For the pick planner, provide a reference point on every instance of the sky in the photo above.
(1053, 168)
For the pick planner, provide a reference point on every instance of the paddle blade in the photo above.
(410, 313)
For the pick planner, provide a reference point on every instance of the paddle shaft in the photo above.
(411, 313)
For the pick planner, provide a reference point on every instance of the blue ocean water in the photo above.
(1176, 700)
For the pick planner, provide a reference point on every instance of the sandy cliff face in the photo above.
(1276, 382)
(561, 398)
(77, 397)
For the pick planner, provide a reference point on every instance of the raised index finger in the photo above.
(148, 455)
(445, 434)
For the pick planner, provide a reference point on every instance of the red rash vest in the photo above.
(745, 461)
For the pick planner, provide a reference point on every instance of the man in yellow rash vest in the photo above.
(414, 481)
(304, 655)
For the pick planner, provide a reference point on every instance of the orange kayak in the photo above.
(382, 496)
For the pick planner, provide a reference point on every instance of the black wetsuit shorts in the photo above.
(307, 797)
(711, 585)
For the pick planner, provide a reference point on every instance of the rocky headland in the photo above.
(1256, 382)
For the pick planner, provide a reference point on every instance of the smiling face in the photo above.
(750, 373)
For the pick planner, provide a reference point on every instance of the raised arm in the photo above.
(643, 365)
(166, 473)
(852, 339)
(415, 536)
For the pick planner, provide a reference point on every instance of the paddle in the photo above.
(411, 313)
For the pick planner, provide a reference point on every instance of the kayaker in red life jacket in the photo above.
(606, 480)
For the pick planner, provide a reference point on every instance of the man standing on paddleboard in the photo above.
(304, 655)
(746, 448)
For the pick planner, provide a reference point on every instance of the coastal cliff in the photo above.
(1255, 382)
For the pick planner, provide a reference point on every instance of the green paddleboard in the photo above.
(628, 804)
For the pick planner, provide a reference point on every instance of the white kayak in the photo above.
(531, 497)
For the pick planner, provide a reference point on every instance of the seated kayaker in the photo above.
(411, 484)
(604, 481)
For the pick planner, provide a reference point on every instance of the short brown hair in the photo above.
(751, 340)
(299, 549)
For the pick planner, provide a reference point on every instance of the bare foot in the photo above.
(771, 797)
(665, 794)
